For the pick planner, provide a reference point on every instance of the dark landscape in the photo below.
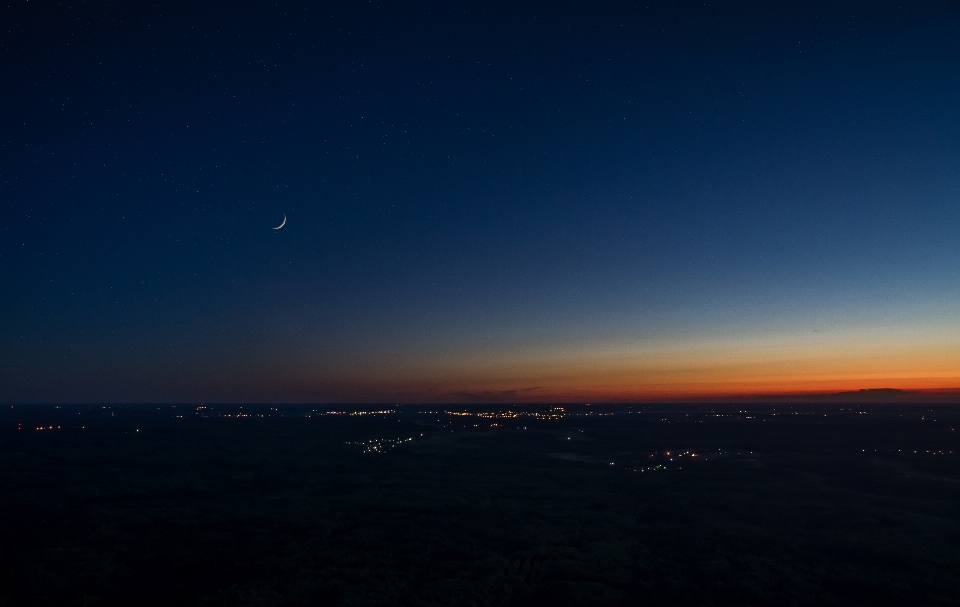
(756, 504)
(303, 304)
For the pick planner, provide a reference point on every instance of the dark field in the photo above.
(698, 505)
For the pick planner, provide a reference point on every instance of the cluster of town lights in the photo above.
(380, 445)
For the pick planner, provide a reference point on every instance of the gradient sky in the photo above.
(483, 202)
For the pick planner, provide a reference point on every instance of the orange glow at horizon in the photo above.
(721, 367)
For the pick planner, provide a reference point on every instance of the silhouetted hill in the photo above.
(864, 395)
(874, 395)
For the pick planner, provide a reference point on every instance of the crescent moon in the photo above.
(283, 223)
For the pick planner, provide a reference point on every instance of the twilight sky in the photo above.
(483, 202)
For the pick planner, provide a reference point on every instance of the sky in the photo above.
(484, 202)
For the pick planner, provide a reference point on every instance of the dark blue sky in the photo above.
(480, 200)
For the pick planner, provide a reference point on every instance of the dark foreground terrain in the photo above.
(699, 505)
